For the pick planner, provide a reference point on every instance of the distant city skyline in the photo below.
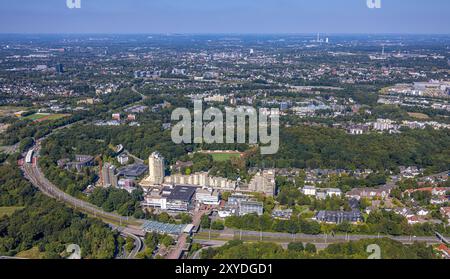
(230, 16)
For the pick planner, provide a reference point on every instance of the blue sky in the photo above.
(225, 16)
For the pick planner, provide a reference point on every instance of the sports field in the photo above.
(39, 117)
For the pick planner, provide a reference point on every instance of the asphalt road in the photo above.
(138, 244)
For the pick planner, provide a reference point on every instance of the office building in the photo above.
(337, 217)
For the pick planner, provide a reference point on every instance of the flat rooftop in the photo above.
(181, 192)
(134, 170)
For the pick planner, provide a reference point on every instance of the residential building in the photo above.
(383, 125)
(445, 211)
(250, 207)
(80, 162)
(444, 250)
(338, 217)
(235, 198)
(263, 182)
(202, 179)
(282, 214)
(109, 176)
(116, 116)
(227, 211)
(309, 191)
(156, 169)
(435, 191)
(123, 159)
(331, 192)
(369, 193)
(358, 129)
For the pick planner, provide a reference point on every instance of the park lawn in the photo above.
(9, 210)
(418, 115)
(222, 157)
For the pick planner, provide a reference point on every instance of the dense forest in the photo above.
(118, 200)
(383, 222)
(390, 249)
(300, 147)
(94, 140)
(318, 147)
(45, 226)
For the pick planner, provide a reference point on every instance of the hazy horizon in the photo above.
(225, 17)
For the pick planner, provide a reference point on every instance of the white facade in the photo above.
(201, 179)
(333, 192)
(309, 190)
(226, 213)
(155, 201)
(207, 197)
(383, 125)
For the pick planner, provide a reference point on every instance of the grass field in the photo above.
(10, 110)
(222, 157)
(9, 210)
(418, 115)
(33, 253)
(45, 116)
